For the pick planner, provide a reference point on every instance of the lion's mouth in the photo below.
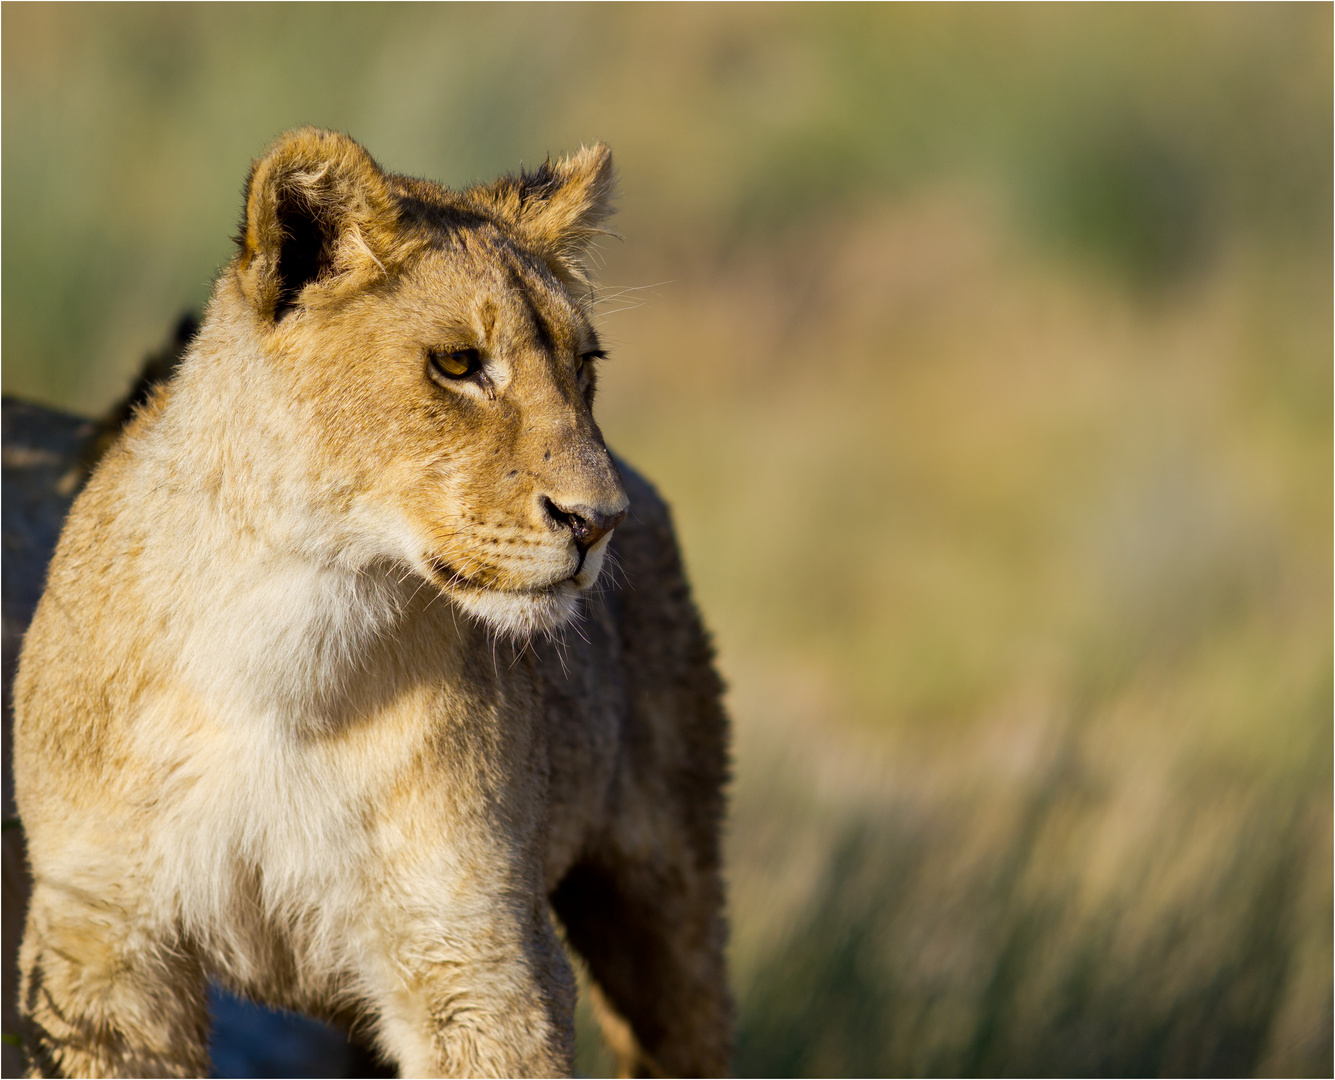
(457, 579)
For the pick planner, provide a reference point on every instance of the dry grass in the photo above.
(1024, 592)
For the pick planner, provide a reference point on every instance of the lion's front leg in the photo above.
(488, 998)
(101, 995)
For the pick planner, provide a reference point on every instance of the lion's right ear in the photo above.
(318, 208)
(558, 210)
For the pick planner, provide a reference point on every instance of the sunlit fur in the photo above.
(288, 713)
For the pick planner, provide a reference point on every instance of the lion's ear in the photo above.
(558, 210)
(317, 206)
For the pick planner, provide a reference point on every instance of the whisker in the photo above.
(559, 644)
(574, 625)
(520, 654)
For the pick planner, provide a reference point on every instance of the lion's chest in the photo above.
(263, 838)
(314, 842)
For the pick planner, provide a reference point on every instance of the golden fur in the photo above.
(318, 700)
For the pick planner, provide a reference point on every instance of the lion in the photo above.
(323, 698)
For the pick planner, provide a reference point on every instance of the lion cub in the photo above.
(296, 710)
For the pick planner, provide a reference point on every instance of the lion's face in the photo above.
(449, 372)
(497, 469)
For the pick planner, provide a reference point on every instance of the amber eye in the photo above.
(457, 363)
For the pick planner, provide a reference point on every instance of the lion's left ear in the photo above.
(557, 210)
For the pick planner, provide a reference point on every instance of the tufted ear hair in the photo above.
(318, 207)
(557, 210)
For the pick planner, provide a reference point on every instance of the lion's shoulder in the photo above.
(645, 544)
(648, 511)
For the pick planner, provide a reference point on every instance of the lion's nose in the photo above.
(587, 524)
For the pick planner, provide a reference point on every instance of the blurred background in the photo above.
(984, 354)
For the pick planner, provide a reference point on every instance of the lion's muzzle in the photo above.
(587, 524)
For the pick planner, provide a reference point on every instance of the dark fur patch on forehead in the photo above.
(433, 211)
(553, 213)
(556, 320)
(442, 218)
(546, 337)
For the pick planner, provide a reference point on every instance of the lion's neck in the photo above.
(276, 605)
(292, 639)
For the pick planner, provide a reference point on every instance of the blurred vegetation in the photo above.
(985, 356)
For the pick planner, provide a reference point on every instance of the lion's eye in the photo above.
(456, 364)
(593, 354)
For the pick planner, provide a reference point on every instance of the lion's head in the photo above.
(437, 360)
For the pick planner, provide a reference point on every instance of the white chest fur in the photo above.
(289, 718)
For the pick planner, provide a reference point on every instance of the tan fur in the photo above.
(319, 700)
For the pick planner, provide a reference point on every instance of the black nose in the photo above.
(586, 524)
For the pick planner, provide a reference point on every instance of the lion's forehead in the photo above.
(492, 287)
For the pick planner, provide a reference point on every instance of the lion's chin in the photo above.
(521, 614)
